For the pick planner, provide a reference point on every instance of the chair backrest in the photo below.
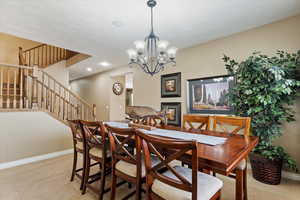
(168, 150)
(95, 135)
(77, 133)
(153, 120)
(122, 146)
(140, 111)
(145, 115)
(238, 124)
(196, 122)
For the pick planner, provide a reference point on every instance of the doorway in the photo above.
(129, 89)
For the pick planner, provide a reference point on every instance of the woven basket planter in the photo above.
(265, 170)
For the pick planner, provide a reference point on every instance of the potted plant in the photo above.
(265, 89)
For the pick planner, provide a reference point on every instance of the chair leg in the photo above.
(83, 171)
(245, 184)
(239, 185)
(86, 175)
(102, 181)
(74, 165)
(129, 185)
(113, 184)
(138, 190)
(219, 197)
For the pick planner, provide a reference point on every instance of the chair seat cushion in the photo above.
(97, 152)
(242, 165)
(79, 145)
(130, 169)
(207, 186)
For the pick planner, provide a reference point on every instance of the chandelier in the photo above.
(152, 54)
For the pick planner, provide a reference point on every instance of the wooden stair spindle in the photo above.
(28, 87)
(21, 88)
(8, 90)
(42, 55)
(15, 90)
(34, 103)
(1, 87)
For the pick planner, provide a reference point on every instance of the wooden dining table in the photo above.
(221, 158)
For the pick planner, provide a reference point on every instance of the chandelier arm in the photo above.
(156, 69)
(142, 66)
(145, 68)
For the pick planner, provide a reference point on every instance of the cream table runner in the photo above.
(201, 138)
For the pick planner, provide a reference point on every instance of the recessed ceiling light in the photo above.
(89, 69)
(117, 23)
(104, 64)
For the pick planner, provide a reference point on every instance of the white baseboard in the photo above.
(285, 174)
(34, 159)
(291, 175)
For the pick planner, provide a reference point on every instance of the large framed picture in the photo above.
(171, 85)
(173, 110)
(209, 95)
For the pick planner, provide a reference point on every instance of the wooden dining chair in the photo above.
(97, 149)
(78, 147)
(196, 122)
(153, 120)
(236, 125)
(176, 182)
(232, 125)
(125, 163)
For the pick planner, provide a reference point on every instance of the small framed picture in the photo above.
(209, 95)
(173, 110)
(171, 85)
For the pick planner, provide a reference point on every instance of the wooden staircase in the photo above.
(44, 55)
(30, 88)
(11, 97)
(27, 87)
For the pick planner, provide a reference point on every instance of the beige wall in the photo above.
(117, 102)
(27, 134)
(9, 52)
(24, 135)
(97, 89)
(205, 60)
(60, 72)
(9, 48)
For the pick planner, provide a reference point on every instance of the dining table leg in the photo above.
(245, 184)
(239, 185)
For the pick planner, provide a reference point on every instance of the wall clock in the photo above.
(117, 88)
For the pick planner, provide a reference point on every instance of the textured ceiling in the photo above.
(87, 25)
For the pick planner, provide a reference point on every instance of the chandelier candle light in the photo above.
(152, 54)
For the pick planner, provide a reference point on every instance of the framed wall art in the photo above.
(173, 109)
(209, 95)
(171, 85)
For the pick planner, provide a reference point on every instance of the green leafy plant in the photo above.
(265, 89)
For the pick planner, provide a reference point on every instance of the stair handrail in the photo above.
(42, 55)
(61, 85)
(40, 90)
(34, 48)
